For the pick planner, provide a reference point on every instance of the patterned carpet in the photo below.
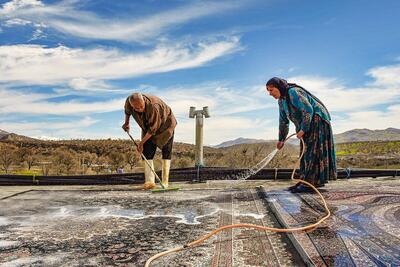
(125, 228)
(106, 227)
(364, 229)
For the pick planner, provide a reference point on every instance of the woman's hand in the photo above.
(280, 144)
(300, 134)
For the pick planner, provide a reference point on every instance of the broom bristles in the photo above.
(160, 190)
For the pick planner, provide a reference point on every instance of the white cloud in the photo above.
(394, 109)
(370, 119)
(15, 5)
(64, 17)
(15, 97)
(338, 97)
(218, 129)
(386, 76)
(67, 108)
(37, 34)
(221, 98)
(37, 64)
(60, 128)
(361, 106)
(93, 86)
(88, 84)
(87, 133)
(234, 112)
(13, 102)
(139, 29)
(227, 106)
(16, 22)
(24, 126)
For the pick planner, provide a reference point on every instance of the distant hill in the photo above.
(239, 141)
(6, 136)
(356, 135)
(3, 133)
(359, 135)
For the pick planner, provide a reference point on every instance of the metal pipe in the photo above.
(199, 115)
(199, 141)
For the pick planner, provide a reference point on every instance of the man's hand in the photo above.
(125, 127)
(140, 147)
(280, 144)
(300, 134)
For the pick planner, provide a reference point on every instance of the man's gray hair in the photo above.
(136, 97)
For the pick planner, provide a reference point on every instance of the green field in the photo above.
(368, 148)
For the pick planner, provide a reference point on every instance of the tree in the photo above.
(69, 161)
(87, 159)
(46, 165)
(132, 158)
(183, 162)
(27, 155)
(20, 155)
(7, 157)
(30, 159)
(117, 160)
(64, 161)
(100, 164)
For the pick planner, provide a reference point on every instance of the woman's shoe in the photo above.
(302, 189)
(290, 188)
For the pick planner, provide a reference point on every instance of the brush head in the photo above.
(163, 190)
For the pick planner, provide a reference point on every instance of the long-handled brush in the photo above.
(155, 190)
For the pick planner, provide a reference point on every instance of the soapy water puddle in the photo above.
(3, 221)
(362, 222)
(186, 216)
(289, 202)
(56, 259)
(45, 209)
(7, 243)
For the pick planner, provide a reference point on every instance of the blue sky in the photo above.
(66, 67)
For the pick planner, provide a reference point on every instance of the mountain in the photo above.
(47, 138)
(355, 135)
(358, 135)
(3, 133)
(239, 141)
(5, 136)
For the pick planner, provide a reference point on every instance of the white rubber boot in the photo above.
(166, 165)
(149, 175)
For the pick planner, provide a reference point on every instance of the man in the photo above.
(157, 122)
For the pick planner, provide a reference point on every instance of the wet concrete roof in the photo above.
(124, 226)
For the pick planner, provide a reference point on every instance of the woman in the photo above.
(312, 121)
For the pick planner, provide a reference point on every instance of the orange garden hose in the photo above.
(254, 226)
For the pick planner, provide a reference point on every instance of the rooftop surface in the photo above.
(124, 226)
